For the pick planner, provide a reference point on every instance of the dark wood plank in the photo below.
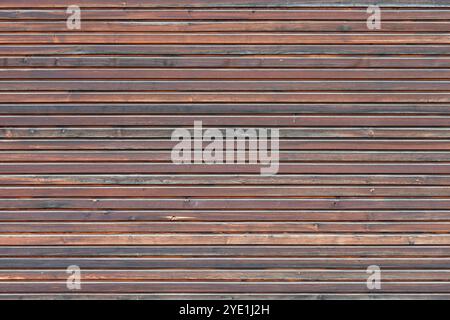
(221, 3)
(229, 179)
(224, 38)
(244, 50)
(227, 251)
(220, 108)
(287, 216)
(227, 61)
(219, 121)
(400, 14)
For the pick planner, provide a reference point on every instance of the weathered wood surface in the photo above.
(86, 176)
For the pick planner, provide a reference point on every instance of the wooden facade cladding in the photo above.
(87, 179)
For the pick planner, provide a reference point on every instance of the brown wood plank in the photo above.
(284, 133)
(224, 263)
(242, 14)
(223, 227)
(238, 239)
(224, 38)
(215, 26)
(231, 204)
(152, 168)
(244, 50)
(227, 275)
(221, 3)
(226, 61)
(159, 144)
(96, 215)
(165, 156)
(229, 179)
(227, 251)
(224, 287)
(222, 192)
(219, 121)
(325, 97)
(235, 296)
(155, 73)
(225, 86)
(142, 109)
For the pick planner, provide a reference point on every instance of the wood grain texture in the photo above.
(87, 179)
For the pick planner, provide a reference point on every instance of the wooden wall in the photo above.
(86, 176)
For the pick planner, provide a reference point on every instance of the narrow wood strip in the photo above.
(165, 156)
(223, 228)
(225, 86)
(292, 144)
(325, 97)
(284, 168)
(225, 38)
(229, 179)
(230, 204)
(166, 133)
(227, 275)
(170, 50)
(239, 239)
(222, 192)
(101, 109)
(220, 3)
(228, 251)
(403, 14)
(219, 121)
(224, 263)
(238, 297)
(263, 74)
(215, 26)
(96, 215)
(231, 62)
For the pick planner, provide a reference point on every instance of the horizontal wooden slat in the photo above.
(287, 144)
(231, 204)
(221, 97)
(263, 74)
(237, 179)
(244, 50)
(223, 227)
(232, 62)
(224, 38)
(237, 239)
(152, 168)
(165, 156)
(220, 108)
(221, 3)
(258, 121)
(238, 297)
(226, 275)
(227, 98)
(37, 215)
(224, 263)
(222, 192)
(224, 287)
(227, 251)
(242, 14)
(225, 86)
(284, 133)
(215, 26)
